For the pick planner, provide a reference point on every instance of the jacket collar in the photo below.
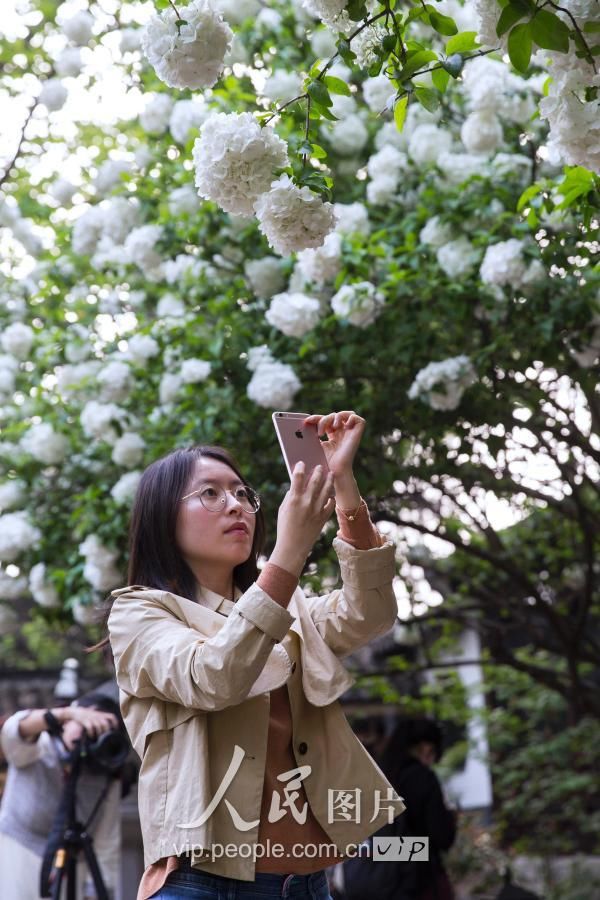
(216, 602)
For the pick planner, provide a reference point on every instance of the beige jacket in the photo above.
(194, 685)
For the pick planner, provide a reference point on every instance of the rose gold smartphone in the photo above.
(299, 442)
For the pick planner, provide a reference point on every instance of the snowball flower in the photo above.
(156, 115)
(322, 43)
(293, 314)
(349, 135)
(188, 55)
(44, 444)
(43, 592)
(142, 347)
(11, 493)
(131, 39)
(170, 306)
(194, 370)
(383, 188)
(11, 588)
(259, 356)
(293, 218)
(17, 339)
(140, 246)
(324, 263)
(17, 535)
(265, 276)
(62, 191)
(128, 450)
(377, 92)
(273, 385)
(457, 257)
(235, 160)
(426, 144)
(78, 28)
(481, 132)
(96, 419)
(84, 613)
(330, 12)
(186, 115)
(435, 233)
(442, 384)
(68, 62)
(115, 381)
(367, 43)
(99, 569)
(360, 303)
(351, 218)
(183, 201)
(503, 263)
(123, 492)
(237, 11)
(282, 86)
(53, 94)
(169, 387)
(109, 174)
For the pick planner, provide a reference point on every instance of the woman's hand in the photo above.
(344, 431)
(95, 722)
(304, 511)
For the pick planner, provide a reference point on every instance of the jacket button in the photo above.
(293, 667)
(302, 748)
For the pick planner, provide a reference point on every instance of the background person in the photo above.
(33, 791)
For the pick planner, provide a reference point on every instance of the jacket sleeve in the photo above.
(157, 655)
(365, 607)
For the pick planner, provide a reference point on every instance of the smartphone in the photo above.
(299, 442)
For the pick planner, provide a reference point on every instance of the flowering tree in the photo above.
(182, 255)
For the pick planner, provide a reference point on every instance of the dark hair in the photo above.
(154, 557)
(406, 735)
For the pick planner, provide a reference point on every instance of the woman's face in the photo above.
(214, 540)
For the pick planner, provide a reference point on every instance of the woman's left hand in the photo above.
(344, 431)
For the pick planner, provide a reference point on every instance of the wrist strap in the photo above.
(53, 726)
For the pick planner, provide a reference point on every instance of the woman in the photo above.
(229, 676)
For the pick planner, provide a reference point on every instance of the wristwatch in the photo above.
(53, 726)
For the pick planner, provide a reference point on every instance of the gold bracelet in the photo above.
(352, 517)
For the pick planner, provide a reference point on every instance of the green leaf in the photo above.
(454, 64)
(549, 32)
(461, 43)
(357, 10)
(442, 24)
(428, 98)
(591, 27)
(527, 195)
(509, 16)
(440, 78)
(400, 108)
(319, 93)
(520, 46)
(345, 51)
(416, 61)
(318, 152)
(337, 86)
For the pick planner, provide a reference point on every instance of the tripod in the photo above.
(67, 839)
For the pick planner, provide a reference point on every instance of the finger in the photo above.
(315, 481)
(298, 476)
(328, 508)
(327, 491)
(326, 424)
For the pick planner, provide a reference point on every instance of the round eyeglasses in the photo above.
(214, 498)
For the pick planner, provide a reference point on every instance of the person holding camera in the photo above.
(252, 781)
(39, 746)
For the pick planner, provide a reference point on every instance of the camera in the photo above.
(104, 755)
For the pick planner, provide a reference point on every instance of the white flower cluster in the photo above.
(140, 247)
(53, 94)
(8, 376)
(293, 218)
(331, 12)
(11, 493)
(504, 265)
(235, 161)
(324, 263)
(43, 592)
(378, 92)
(348, 135)
(237, 11)
(282, 86)
(78, 28)
(44, 444)
(351, 218)
(427, 143)
(123, 491)
(17, 339)
(156, 115)
(188, 55)
(435, 233)
(457, 257)
(385, 168)
(68, 63)
(128, 450)
(193, 371)
(99, 569)
(109, 174)
(17, 535)
(265, 275)
(360, 303)
(367, 43)
(142, 347)
(186, 115)
(115, 381)
(183, 201)
(442, 384)
(96, 420)
(11, 588)
(273, 384)
(293, 314)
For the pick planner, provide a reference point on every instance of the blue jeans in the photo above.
(197, 885)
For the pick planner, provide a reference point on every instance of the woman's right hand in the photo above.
(304, 511)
